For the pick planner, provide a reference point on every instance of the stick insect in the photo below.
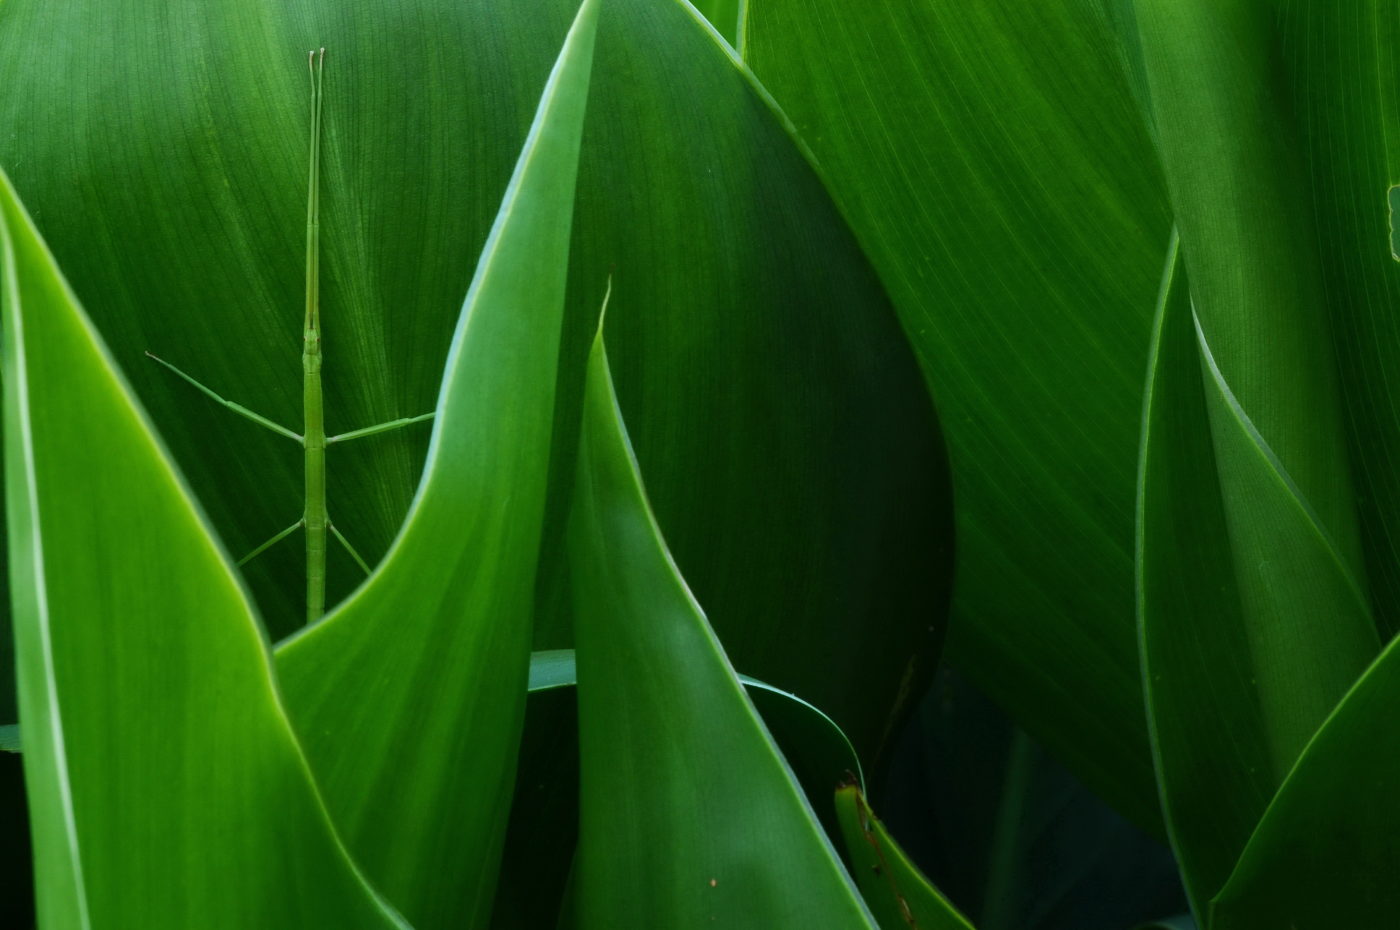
(314, 520)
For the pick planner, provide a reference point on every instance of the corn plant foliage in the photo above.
(772, 399)
(146, 734)
(680, 782)
(991, 158)
(442, 628)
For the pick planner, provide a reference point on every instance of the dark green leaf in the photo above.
(1325, 849)
(689, 815)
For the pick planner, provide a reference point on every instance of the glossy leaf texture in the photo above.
(792, 459)
(1204, 713)
(1324, 850)
(898, 893)
(724, 15)
(689, 815)
(773, 399)
(992, 161)
(151, 717)
(1281, 622)
(415, 686)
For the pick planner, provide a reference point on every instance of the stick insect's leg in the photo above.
(348, 548)
(380, 428)
(271, 542)
(236, 408)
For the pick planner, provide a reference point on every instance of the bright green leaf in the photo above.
(898, 892)
(415, 686)
(689, 815)
(166, 788)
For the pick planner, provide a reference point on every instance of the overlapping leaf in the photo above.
(1252, 575)
(415, 686)
(773, 401)
(991, 158)
(689, 815)
(166, 787)
(1325, 849)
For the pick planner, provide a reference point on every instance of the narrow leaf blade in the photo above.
(899, 894)
(689, 816)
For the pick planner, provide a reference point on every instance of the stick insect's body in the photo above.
(315, 519)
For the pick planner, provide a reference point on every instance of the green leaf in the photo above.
(1254, 582)
(1325, 848)
(9, 738)
(415, 686)
(897, 891)
(1336, 71)
(543, 832)
(992, 162)
(773, 399)
(689, 815)
(151, 718)
(1205, 718)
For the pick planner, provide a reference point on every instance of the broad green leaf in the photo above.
(1257, 293)
(1204, 714)
(1280, 620)
(9, 738)
(991, 159)
(898, 893)
(1324, 854)
(166, 787)
(689, 815)
(415, 686)
(773, 399)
